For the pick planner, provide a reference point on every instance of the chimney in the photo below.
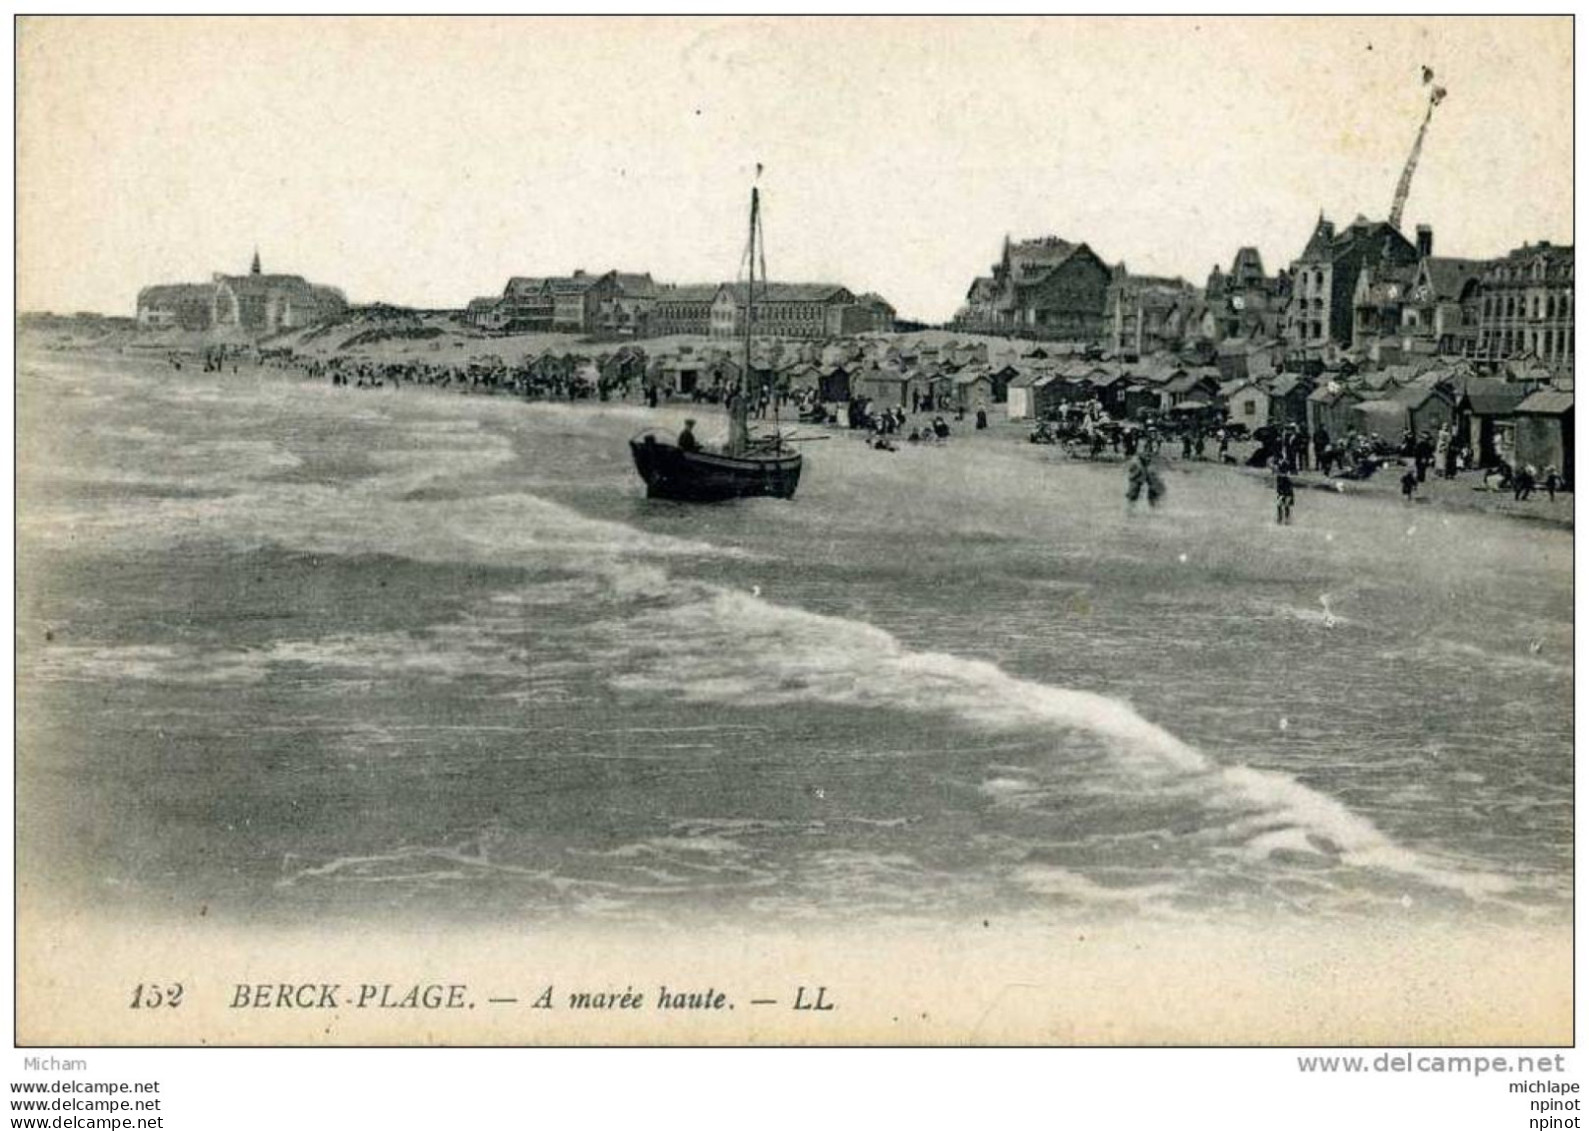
(1426, 241)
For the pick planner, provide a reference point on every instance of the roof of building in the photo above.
(1382, 379)
(1044, 251)
(790, 292)
(1247, 261)
(1186, 382)
(689, 292)
(1287, 383)
(484, 302)
(1415, 395)
(261, 284)
(166, 294)
(1448, 276)
(1547, 402)
(1493, 396)
(577, 283)
(1154, 283)
(1543, 247)
(636, 286)
(1332, 391)
(521, 286)
(1361, 237)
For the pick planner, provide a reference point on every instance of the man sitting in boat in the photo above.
(687, 440)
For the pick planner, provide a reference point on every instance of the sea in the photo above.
(290, 653)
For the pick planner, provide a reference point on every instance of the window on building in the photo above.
(1250, 408)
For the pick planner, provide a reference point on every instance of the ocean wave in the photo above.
(1528, 659)
(729, 646)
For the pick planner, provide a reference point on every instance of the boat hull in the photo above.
(710, 477)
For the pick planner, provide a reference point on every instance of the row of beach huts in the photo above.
(1518, 413)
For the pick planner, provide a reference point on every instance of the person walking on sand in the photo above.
(1141, 478)
(1443, 450)
(1285, 494)
(1523, 483)
(1409, 483)
(1423, 454)
(1552, 481)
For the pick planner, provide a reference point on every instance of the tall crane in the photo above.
(1437, 95)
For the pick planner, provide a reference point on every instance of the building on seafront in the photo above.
(184, 306)
(626, 308)
(1525, 306)
(1517, 307)
(1245, 303)
(1324, 279)
(788, 310)
(485, 312)
(685, 308)
(255, 303)
(1147, 313)
(1442, 314)
(1046, 287)
(619, 304)
(876, 315)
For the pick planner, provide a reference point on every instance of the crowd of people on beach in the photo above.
(489, 376)
(1083, 429)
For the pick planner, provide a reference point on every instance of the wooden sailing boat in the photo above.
(747, 465)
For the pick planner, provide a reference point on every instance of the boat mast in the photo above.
(741, 405)
(770, 387)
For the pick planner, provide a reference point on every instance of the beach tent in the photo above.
(973, 389)
(1485, 413)
(834, 383)
(1288, 398)
(1245, 402)
(1544, 435)
(1330, 408)
(1428, 407)
(1020, 403)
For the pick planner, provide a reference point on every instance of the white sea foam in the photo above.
(1527, 660)
(731, 647)
(143, 663)
(1050, 880)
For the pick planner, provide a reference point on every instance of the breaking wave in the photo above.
(732, 647)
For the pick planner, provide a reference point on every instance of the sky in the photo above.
(424, 161)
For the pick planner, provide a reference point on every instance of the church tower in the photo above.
(254, 268)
